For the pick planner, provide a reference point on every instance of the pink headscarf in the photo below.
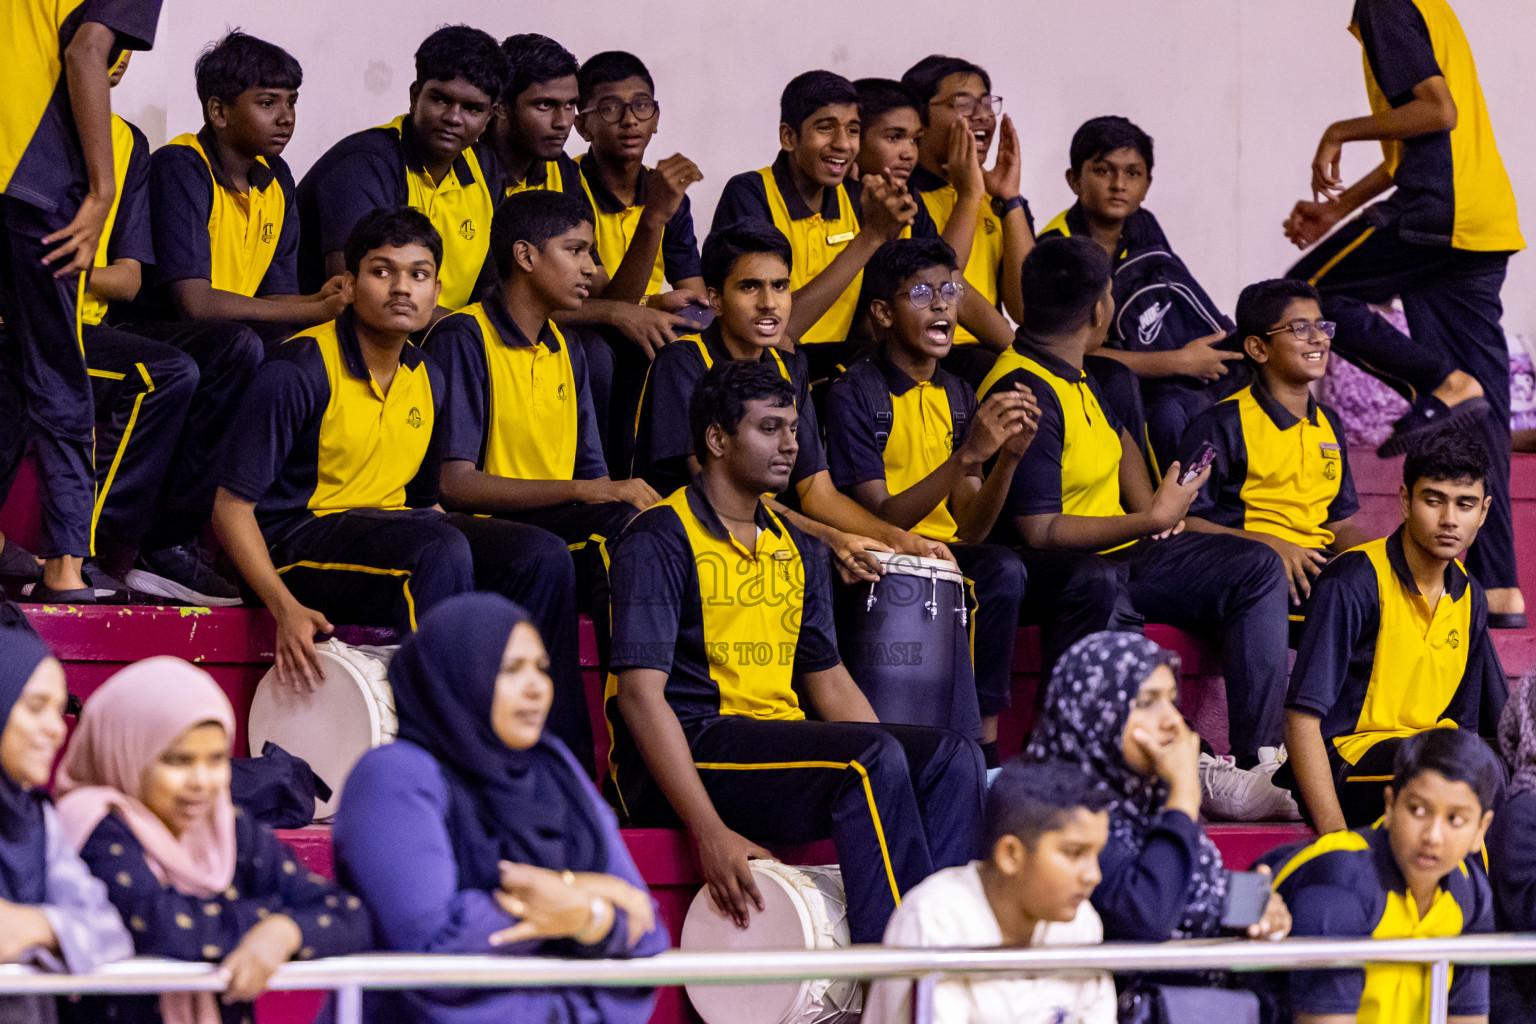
(125, 727)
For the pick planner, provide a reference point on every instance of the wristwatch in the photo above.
(1002, 207)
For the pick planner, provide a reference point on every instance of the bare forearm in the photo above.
(199, 300)
(90, 100)
(1145, 364)
(1366, 189)
(829, 506)
(983, 320)
(811, 302)
(1064, 532)
(960, 231)
(906, 509)
(117, 282)
(1431, 110)
(1309, 760)
(633, 275)
(234, 523)
(976, 516)
(664, 748)
(1016, 245)
(467, 489)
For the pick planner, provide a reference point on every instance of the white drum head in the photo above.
(916, 565)
(332, 727)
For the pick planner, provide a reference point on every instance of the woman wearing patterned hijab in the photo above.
(1112, 710)
(1511, 846)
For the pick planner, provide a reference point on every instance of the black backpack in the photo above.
(955, 390)
(1159, 306)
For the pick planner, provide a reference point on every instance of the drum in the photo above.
(350, 713)
(904, 640)
(804, 908)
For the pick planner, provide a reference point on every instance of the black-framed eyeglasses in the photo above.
(612, 110)
(965, 106)
(921, 295)
(1305, 330)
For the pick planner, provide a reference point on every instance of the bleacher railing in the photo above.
(349, 976)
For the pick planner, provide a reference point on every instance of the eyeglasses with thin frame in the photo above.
(1304, 329)
(921, 295)
(966, 105)
(612, 110)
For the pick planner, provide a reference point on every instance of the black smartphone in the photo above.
(698, 317)
(1203, 458)
(1247, 896)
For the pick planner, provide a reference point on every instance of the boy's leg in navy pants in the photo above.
(1235, 587)
(899, 801)
(997, 582)
(1072, 594)
(42, 350)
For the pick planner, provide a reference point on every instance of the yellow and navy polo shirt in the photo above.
(663, 440)
(40, 158)
(515, 408)
(1073, 464)
(816, 237)
(676, 260)
(920, 433)
(1452, 188)
(317, 435)
(126, 235)
(1348, 885)
(383, 167)
(731, 627)
(936, 198)
(241, 242)
(1274, 473)
(558, 175)
(1376, 662)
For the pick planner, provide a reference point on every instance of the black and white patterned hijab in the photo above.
(1086, 709)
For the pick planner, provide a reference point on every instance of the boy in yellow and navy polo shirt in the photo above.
(723, 638)
(430, 158)
(908, 441)
(1166, 328)
(224, 287)
(56, 182)
(1104, 550)
(955, 97)
(1415, 874)
(1396, 642)
(520, 437)
(747, 271)
(834, 224)
(1281, 475)
(1441, 241)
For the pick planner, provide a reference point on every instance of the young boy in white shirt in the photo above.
(1045, 826)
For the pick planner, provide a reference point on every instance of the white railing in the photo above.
(349, 976)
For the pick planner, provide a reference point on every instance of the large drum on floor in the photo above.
(804, 909)
(901, 637)
(350, 713)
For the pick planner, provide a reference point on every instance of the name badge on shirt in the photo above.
(782, 556)
(1330, 449)
(846, 236)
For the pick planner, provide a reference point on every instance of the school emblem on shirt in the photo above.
(467, 229)
(1330, 471)
(268, 232)
(560, 392)
(1453, 639)
(413, 417)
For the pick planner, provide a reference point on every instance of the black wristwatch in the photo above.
(1002, 207)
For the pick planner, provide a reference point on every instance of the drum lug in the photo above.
(869, 602)
(964, 614)
(932, 603)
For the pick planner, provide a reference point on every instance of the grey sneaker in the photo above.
(1230, 793)
(182, 573)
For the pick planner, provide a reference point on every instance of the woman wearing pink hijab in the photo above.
(143, 792)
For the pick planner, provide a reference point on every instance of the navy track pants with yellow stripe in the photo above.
(898, 801)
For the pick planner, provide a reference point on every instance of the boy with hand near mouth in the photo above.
(1045, 826)
(908, 442)
(1395, 643)
(1414, 874)
(747, 271)
(834, 224)
(1281, 474)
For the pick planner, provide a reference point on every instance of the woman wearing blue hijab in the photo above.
(478, 832)
(53, 913)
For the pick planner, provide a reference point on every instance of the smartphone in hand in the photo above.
(1247, 898)
(1203, 458)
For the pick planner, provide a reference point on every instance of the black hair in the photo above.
(1062, 279)
(721, 397)
(1452, 454)
(895, 262)
(879, 96)
(391, 227)
(240, 61)
(1028, 800)
(608, 67)
(805, 94)
(726, 245)
(1102, 135)
(533, 59)
(1458, 755)
(922, 79)
(534, 216)
(459, 51)
(1264, 302)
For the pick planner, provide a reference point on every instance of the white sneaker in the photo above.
(1230, 793)
(1270, 759)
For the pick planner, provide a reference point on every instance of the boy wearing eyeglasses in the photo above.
(1281, 471)
(907, 441)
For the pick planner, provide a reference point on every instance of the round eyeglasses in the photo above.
(965, 106)
(1306, 330)
(921, 295)
(612, 110)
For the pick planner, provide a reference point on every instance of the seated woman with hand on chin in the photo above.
(478, 832)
